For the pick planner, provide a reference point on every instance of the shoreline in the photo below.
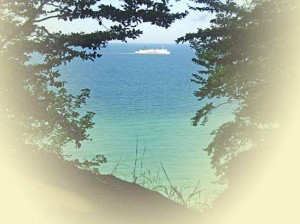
(58, 191)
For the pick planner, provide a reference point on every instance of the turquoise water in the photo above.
(149, 98)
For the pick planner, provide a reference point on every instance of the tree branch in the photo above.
(46, 18)
(227, 102)
(29, 21)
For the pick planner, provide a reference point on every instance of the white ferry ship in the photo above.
(153, 51)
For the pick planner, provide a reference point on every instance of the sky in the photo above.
(151, 34)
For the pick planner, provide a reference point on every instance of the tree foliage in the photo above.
(248, 57)
(36, 108)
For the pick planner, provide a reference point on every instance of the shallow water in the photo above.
(149, 99)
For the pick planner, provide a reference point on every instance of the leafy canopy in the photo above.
(248, 57)
(36, 109)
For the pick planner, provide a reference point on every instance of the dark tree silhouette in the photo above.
(36, 108)
(248, 58)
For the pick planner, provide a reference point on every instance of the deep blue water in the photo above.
(149, 98)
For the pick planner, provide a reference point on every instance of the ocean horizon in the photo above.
(145, 102)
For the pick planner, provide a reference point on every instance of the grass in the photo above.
(190, 196)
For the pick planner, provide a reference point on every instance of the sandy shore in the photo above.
(47, 190)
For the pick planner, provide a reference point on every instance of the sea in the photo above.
(144, 105)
